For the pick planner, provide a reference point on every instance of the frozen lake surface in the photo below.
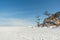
(28, 33)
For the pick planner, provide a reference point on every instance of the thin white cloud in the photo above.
(14, 22)
(6, 19)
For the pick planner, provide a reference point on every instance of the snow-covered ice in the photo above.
(28, 33)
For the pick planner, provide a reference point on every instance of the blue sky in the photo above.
(24, 11)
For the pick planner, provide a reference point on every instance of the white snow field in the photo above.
(28, 33)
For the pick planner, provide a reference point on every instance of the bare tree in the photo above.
(47, 14)
(38, 21)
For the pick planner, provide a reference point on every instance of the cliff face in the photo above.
(54, 19)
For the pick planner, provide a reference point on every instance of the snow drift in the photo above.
(28, 33)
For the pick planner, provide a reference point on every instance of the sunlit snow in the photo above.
(29, 33)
